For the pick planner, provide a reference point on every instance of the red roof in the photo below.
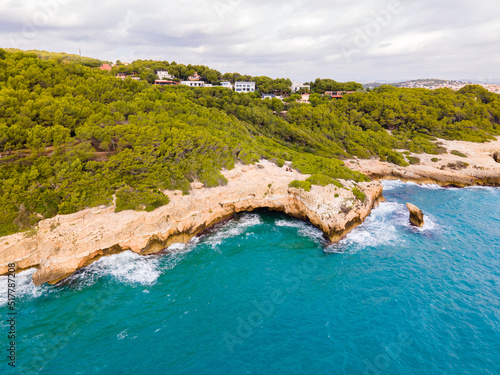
(105, 67)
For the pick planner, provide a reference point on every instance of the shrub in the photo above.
(358, 194)
(458, 153)
(322, 180)
(413, 160)
(458, 165)
(128, 198)
(434, 160)
(306, 185)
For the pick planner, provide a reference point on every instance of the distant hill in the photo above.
(61, 57)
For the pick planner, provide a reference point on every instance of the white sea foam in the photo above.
(393, 184)
(24, 287)
(384, 226)
(303, 229)
(233, 228)
(378, 229)
(128, 267)
(484, 188)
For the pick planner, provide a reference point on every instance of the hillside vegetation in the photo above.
(72, 136)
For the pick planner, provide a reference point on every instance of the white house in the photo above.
(163, 74)
(244, 86)
(193, 83)
(226, 84)
(297, 86)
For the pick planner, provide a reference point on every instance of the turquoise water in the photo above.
(262, 294)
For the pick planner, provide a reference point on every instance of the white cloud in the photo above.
(340, 39)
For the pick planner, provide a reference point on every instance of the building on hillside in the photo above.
(106, 67)
(337, 94)
(226, 84)
(304, 99)
(244, 86)
(193, 83)
(124, 76)
(298, 86)
(165, 82)
(163, 74)
(194, 77)
(268, 96)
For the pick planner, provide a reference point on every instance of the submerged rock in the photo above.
(416, 215)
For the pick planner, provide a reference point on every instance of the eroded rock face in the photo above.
(478, 168)
(416, 215)
(496, 156)
(66, 243)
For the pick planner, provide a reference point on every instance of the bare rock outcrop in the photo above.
(496, 156)
(65, 243)
(478, 168)
(416, 215)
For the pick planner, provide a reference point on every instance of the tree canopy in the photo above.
(73, 136)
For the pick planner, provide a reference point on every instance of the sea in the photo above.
(264, 293)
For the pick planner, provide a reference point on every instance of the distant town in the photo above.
(434, 84)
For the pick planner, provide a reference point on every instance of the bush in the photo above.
(322, 180)
(413, 160)
(434, 160)
(306, 185)
(358, 194)
(128, 198)
(458, 153)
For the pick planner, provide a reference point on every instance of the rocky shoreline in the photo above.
(66, 243)
(475, 166)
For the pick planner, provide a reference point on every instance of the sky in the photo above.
(362, 40)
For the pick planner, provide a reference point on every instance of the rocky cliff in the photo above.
(476, 166)
(65, 243)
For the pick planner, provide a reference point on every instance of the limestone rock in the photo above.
(416, 215)
(65, 243)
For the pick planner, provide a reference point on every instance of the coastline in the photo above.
(66, 243)
(477, 168)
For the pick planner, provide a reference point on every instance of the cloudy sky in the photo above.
(362, 40)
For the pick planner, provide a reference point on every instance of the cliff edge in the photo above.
(63, 244)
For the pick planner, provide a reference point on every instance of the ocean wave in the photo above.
(378, 229)
(393, 184)
(130, 268)
(233, 228)
(385, 225)
(304, 229)
(483, 188)
(24, 287)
